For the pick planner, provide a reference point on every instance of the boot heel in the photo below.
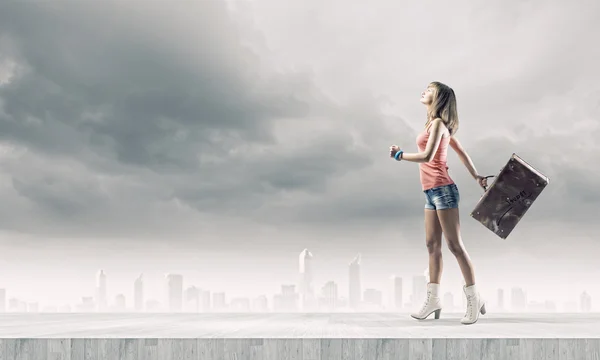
(483, 311)
(437, 313)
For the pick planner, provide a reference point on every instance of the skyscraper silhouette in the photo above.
(138, 293)
(101, 291)
(397, 293)
(354, 285)
(305, 269)
(174, 284)
(585, 302)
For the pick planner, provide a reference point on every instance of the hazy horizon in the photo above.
(219, 139)
(55, 292)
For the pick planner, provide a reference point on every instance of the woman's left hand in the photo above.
(393, 150)
(482, 181)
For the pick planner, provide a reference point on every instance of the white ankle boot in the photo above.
(432, 303)
(475, 305)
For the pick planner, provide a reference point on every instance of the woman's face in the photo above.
(427, 96)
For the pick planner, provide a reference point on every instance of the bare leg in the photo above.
(450, 222)
(433, 240)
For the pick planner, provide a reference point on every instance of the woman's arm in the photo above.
(463, 156)
(435, 137)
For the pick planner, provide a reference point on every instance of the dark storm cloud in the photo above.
(103, 58)
(139, 117)
(125, 89)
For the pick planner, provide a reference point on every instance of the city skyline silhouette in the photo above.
(304, 295)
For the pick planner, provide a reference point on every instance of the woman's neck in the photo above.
(428, 114)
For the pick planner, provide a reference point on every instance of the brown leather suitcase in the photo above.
(508, 198)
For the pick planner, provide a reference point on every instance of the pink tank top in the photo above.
(434, 173)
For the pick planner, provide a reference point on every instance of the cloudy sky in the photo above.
(220, 139)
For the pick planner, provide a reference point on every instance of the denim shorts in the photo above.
(442, 197)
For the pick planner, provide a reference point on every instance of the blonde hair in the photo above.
(443, 106)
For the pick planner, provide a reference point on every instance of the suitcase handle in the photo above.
(487, 177)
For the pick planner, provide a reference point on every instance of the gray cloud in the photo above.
(141, 101)
(145, 95)
(144, 120)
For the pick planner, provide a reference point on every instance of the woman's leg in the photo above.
(450, 223)
(451, 228)
(433, 240)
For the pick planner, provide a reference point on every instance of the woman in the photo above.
(442, 197)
